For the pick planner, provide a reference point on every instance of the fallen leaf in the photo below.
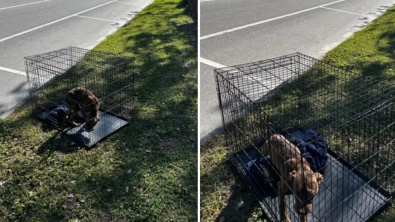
(109, 190)
(130, 171)
(127, 189)
(148, 151)
(70, 195)
(127, 150)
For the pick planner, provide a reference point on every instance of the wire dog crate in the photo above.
(352, 118)
(108, 76)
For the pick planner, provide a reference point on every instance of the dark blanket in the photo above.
(313, 148)
(57, 113)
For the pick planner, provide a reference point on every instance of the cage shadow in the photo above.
(246, 208)
(56, 143)
(240, 200)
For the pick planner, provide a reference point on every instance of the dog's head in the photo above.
(305, 187)
(91, 123)
(70, 98)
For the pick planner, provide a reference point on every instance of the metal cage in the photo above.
(353, 115)
(108, 76)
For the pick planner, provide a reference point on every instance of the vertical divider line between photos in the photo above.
(198, 115)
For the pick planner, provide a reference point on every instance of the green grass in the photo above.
(369, 52)
(222, 193)
(40, 169)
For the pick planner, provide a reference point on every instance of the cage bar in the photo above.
(290, 95)
(108, 76)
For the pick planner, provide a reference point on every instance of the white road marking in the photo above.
(127, 3)
(211, 63)
(267, 20)
(352, 13)
(107, 20)
(15, 6)
(50, 23)
(12, 71)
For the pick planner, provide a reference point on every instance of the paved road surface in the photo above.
(238, 31)
(30, 27)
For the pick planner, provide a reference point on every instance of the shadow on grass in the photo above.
(224, 197)
(240, 205)
(188, 9)
(56, 143)
(145, 172)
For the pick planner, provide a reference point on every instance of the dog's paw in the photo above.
(75, 124)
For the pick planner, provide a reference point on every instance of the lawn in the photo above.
(145, 172)
(369, 52)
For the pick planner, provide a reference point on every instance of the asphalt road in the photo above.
(238, 31)
(30, 27)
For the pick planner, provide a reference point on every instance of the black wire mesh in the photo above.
(353, 114)
(108, 76)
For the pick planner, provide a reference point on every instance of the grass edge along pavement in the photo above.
(145, 172)
(224, 196)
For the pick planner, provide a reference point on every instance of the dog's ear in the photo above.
(318, 177)
(291, 164)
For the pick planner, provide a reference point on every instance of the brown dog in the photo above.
(80, 99)
(296, 175)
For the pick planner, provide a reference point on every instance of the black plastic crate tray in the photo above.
(345, 194)
(107, 125)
